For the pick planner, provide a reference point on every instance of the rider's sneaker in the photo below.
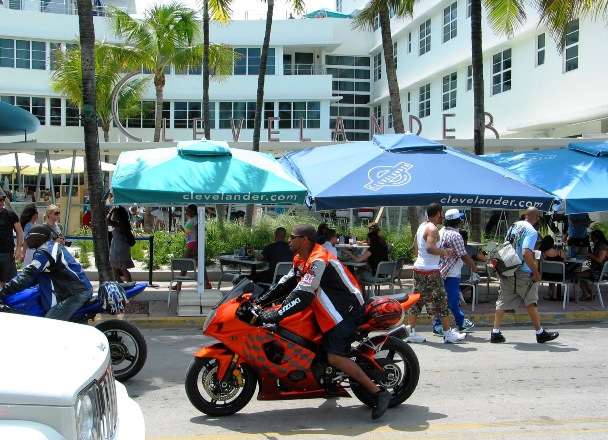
(415, 338)
(381, 401)
(453, 337)
(466, 325)
(438, 330)
(546, 336)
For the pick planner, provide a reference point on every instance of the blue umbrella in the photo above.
(407, 170)
(578, 174)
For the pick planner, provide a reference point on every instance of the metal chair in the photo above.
(385, 276)
(603, 279)
(554, 272)
(179, 265)
(280, 270)
(227, 275)
(398, 266)
(465, 276)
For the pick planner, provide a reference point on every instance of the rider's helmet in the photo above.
(112, 297)
(382, 314)
(37, 236)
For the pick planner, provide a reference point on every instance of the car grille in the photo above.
(108, 414)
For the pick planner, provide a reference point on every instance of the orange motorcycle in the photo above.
(287, 361)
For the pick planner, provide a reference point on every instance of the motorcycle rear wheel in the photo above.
(128, 348)
(209, 395)
(400, 363)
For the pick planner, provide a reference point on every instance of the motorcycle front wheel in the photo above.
(400, 374)
(213, 396)
(128, 348)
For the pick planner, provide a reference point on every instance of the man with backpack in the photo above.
(523, 284)
(64, 287)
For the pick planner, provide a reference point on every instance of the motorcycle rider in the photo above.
(64, 287)
(330, 289)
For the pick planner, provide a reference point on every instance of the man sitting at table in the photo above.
(276, 252)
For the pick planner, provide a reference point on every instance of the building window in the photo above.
(376, 24)
(291, 112)
(72, 115)
(501, 72)
(22, 54)
(378, 112)
(390, 121)
(377, 66)
(36, 105)
(245, 110)
(425, 37)
(55, 111)
(249, 61)
(540, 49)
(395, 54)
(449, 91)
(145, 117)
(469, 77)
(339, 5)
(409, 42)
(571, 46)
(450, 29)
(409, 102)
(424, 102)
(469, 8)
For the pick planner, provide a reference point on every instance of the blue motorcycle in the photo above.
(128, 347)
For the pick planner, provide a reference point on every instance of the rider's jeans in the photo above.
(66, 308)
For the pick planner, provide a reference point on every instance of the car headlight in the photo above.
(86, 423)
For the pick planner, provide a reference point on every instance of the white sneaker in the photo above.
(415, 338)
(453, 337)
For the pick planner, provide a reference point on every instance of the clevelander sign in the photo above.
(245, 197)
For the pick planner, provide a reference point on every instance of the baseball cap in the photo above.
(453, 214)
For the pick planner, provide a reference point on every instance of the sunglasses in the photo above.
(55, 212)
(293, 237)
(2, 199)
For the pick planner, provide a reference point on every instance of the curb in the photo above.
(480, 319)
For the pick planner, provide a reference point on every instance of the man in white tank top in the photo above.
(428, 280)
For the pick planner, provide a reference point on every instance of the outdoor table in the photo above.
(573, 265)
(242, 261)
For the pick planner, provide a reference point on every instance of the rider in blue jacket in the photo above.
(63, 285)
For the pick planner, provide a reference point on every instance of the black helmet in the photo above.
(37, 236)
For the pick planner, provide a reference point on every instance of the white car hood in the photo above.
(30, 370)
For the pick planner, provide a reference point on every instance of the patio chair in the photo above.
(603, 279)
(385, 276)
(398, 266)
(179, 265)
(280, 270)
(554, 272)
(227, 274)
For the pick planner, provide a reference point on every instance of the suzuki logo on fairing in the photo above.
(388, 176)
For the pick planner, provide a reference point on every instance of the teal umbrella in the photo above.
(204, 173)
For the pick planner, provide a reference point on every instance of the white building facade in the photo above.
(322, 72)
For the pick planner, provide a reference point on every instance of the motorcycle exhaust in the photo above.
(399, 332)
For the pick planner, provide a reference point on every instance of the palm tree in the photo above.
(66, 79)
(365, 20)
(91, 140)
(168, 36)
(298, 6)
(220, 10)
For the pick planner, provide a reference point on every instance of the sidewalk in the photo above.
(552, 314)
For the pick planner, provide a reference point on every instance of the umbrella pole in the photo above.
(200, 288)
(67, 214)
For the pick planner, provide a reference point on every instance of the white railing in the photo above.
(65, 7)
(303, 69)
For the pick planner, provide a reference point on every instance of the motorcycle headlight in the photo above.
(210, 318)
(86, 425)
